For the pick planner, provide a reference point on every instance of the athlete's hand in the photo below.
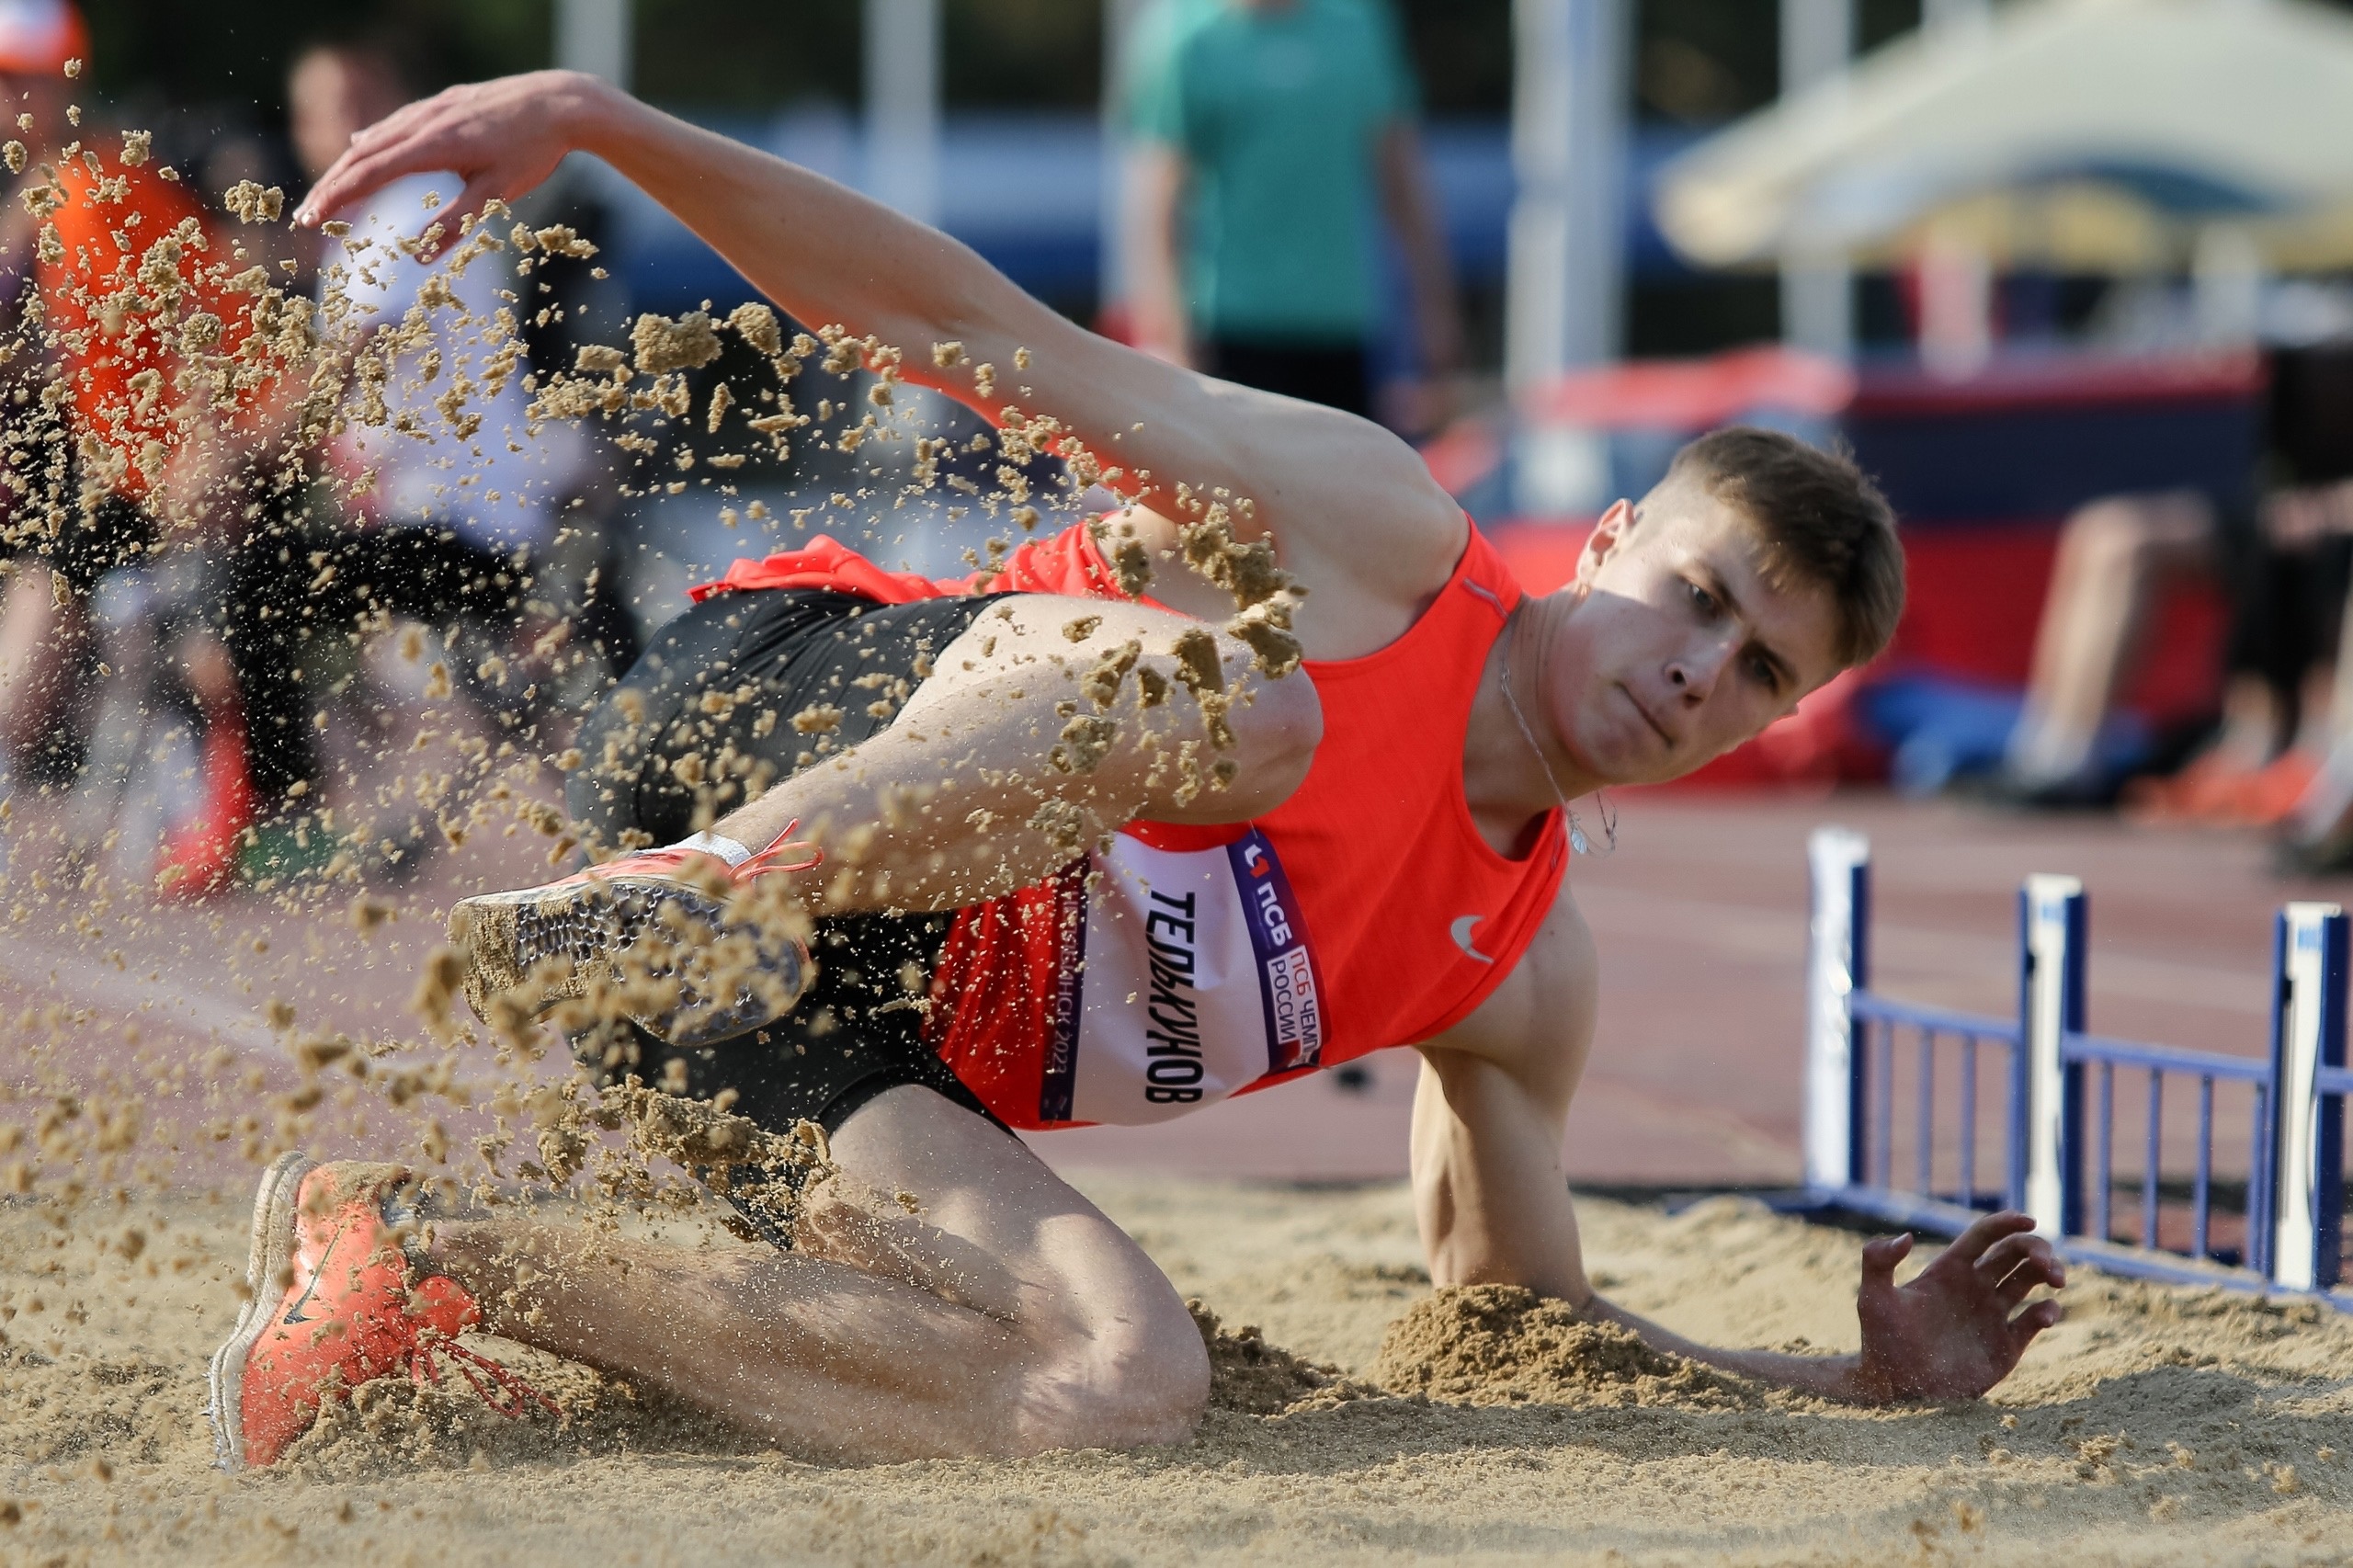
(1955, 1331)
(502, 138)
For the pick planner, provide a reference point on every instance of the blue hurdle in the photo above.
(2054, 1088)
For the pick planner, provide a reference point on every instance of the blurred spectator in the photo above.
(477, 498)
(117, 238)
(1276, 134)
(43, 620)
(2319, 836)
(2285, 569)
(450, 501)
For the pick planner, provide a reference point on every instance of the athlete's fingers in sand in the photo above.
(2033, 1321)
(2018, 1282)
(2019, 1263)
(1984, 1232)
(1880, 1255)
(2015, 1272)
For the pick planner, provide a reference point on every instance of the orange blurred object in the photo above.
(2212, 792)
(199, 854)
(39, 36)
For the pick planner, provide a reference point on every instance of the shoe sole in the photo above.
(503, 936)
(269, 1254)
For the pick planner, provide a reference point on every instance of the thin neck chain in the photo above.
(1577, 840)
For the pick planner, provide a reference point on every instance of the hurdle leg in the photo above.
(1838, 965)
(2053, 911)
(2307, 1188)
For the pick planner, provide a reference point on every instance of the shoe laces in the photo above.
(771, 859)
(494, 1383)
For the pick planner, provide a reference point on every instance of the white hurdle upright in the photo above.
(2308, 1211)
(1838, 965)
(2054, 934)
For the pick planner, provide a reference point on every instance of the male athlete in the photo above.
(1059, 852)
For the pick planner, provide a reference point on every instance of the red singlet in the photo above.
(1365, 912)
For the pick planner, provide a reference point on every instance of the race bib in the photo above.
(1194, 978)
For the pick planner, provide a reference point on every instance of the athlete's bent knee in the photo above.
(1155, 1397)
(1123, 1384)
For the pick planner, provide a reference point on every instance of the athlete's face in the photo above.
(1680, 648)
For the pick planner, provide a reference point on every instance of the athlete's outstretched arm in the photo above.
(1322, 481)
(1493, 1206)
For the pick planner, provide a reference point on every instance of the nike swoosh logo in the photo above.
(294, 1314)
(1460, 932)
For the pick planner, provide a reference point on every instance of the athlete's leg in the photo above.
(1040, 725)
(1003, 763)
(2113, 555)
(1020, 1319)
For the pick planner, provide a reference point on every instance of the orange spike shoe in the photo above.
(334, 1303)
(663, 927)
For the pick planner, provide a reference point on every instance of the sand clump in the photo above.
(1250, 1377)
(1505, 1345)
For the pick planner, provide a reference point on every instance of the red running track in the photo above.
(1699, 915)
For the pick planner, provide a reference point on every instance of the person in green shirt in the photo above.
(1276, 136)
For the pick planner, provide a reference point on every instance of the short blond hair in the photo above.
(1823, 522)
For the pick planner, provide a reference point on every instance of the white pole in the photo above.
(2054, 915)
(1839, 862)
(1817, 286)
(1115, 265)
(1561, 306)
(903, 105)
(1115, 273)
(594, 36)
(1955, 275)
(2314, 1011)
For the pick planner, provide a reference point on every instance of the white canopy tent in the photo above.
(2182, 112)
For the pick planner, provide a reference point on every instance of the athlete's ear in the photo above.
(1609, 537)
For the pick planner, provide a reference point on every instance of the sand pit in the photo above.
(2157, 1426)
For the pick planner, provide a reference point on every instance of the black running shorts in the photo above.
(857, 1032)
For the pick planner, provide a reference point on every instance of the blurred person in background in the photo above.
(43, 619)
(415, 518)
(2283, 565)
(1276, 137)
(2317, 835)
(115, 238)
